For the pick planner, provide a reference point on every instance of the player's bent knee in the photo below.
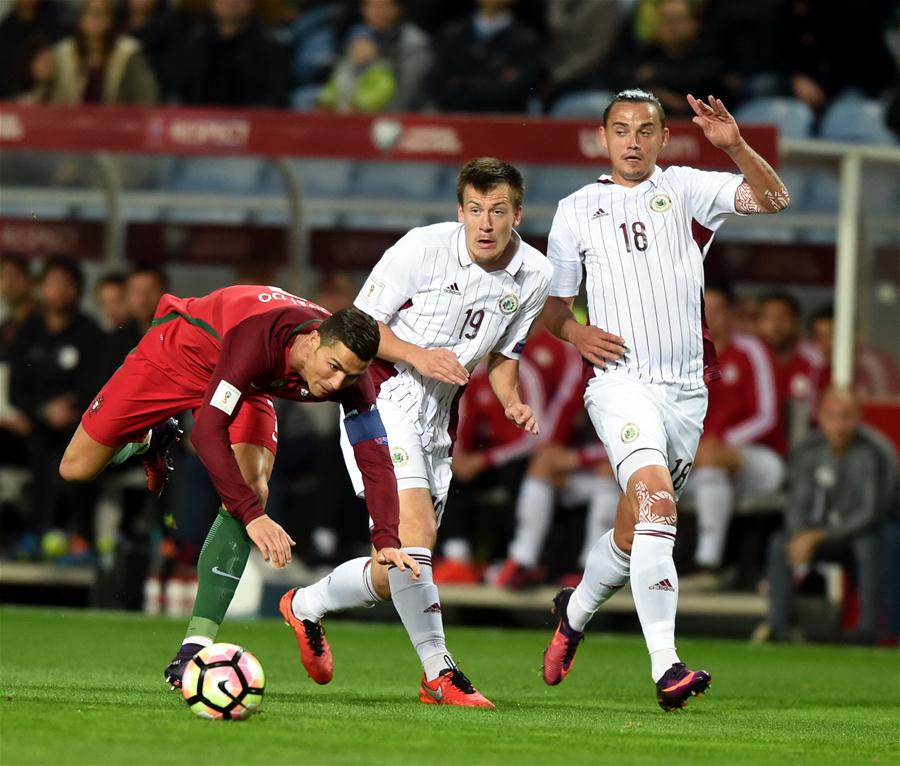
(76, 470)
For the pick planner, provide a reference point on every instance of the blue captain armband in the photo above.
(362, 426)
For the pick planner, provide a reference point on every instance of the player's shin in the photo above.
(605, 572)
(418, 604)
(348, 586)
(219, 568)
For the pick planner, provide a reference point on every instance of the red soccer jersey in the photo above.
(235, 342)
(743, 403)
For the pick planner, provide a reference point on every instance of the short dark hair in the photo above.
(113, 278)
(485, 173)
(779, 296)
(68, 266)
(823, 312)
(635, 96)
(724, 289)
(18, 261)
(355, 329)
(156, 271)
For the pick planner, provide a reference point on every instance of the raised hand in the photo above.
(719, 127)
(271, 539)
(440, 364)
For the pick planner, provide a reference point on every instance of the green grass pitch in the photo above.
(86, 688)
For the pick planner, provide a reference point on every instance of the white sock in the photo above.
(348, 586)
(458, 549)
(654, 586)
(418, 604)
(202, 640)
(601, 514)
(605, 572)
(534, 512)
(714, 494)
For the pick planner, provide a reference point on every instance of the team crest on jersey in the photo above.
(630, 432)
(98, 403)
(399, 456)
(509, 304)
(660, 203)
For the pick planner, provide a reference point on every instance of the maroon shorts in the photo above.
(140, 395)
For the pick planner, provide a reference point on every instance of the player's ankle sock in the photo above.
(654, 586)
(601, 514)
(130, 450)
(534, 512)
(714, 495)
(219, 568)
(199, 638)
(606, 571)
(433, 665)
(418, 604)
(348, 586)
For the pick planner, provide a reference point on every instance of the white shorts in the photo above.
(414, 467)
(644, 424)
(761, 472)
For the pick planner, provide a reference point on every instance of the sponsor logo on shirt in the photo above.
(225, 397)
(660, 203)
(630, 432)
(453, 289)
(509, 304)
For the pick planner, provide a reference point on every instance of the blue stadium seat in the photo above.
(582, 103)
(793, 118)
(305, 98)
(401, 181)
(856, 120)
(550, 183)
(214, 175)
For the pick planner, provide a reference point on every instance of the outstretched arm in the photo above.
(762, 190)
(503, 373)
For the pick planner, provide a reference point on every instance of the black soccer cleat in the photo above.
(157, 463)
(678, 684)
(175, 668)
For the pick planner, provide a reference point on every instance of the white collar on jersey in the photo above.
(465, 260)
(653, 179)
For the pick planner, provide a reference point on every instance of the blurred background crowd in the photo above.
(525, 56)
(790, 474)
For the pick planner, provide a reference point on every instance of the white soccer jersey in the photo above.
(429, 292)
(642, 250)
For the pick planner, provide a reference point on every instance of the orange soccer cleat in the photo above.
(315, 653)
(452, 687)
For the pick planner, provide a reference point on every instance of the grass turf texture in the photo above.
(86, 688)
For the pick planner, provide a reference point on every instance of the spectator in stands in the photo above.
(313, 50)
(486, 62)
(797, 362)
(17, 294)
(582, 38)
(675, 63)
(111, 299)
(54, 375)
(363, 80)
(841, 482)
(26, 20)
(37, 81)
(740, 452)
(405, 47)
(233, 60)
(817, 30)
(159, 28)
(98, 66)
(876, 375)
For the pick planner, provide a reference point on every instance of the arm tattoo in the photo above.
(647, 500)
(746, 200)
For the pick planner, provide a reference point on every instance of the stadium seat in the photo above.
(793, 118)
(214, 175)
(856, 120)
(403, 181)
(582, 103)
(550, 183)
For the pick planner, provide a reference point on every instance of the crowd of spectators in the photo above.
(776, 435)
(520, 56)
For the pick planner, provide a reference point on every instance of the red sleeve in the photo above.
(373, 458)
(247, 352)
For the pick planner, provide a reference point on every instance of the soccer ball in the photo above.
(223, 682)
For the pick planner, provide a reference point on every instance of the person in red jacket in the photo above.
(744, 434)
(224, 355)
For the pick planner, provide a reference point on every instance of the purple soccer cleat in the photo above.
(559, 656)
(678, 684)
(175, 668)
